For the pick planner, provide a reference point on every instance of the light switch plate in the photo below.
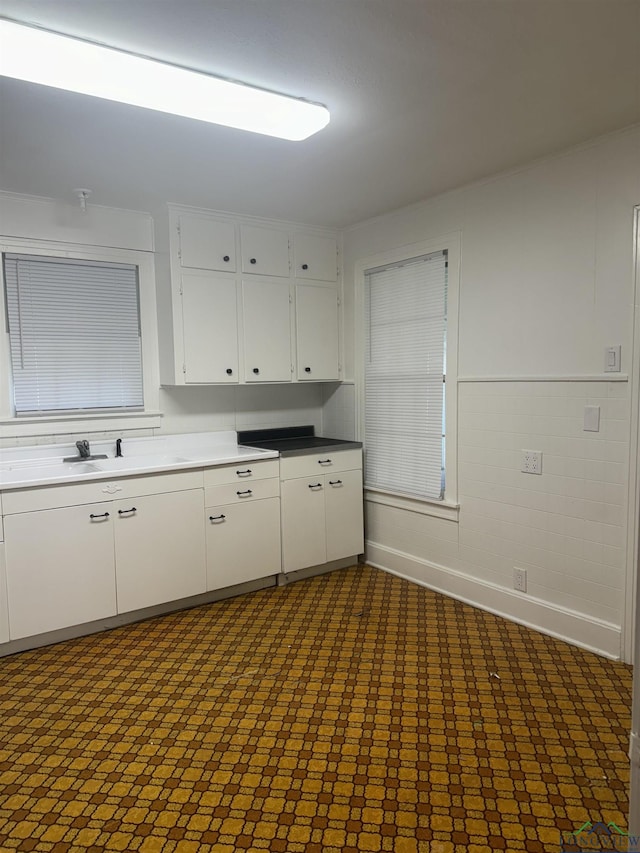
(591, 419)
(612, 359)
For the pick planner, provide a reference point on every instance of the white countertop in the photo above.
(43, 465)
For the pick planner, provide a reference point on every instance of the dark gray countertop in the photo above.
(293, 441)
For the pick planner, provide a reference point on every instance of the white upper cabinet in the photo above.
(265, 251)
(206, 244)
(315, 257)
(317, 332)
(267, 331)
(210, 320)
(226, 288)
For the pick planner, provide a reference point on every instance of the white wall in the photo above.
(546, 283)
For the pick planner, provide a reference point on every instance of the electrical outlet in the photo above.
(531, 462)
(520, 579)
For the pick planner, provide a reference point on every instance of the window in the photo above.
(405, 306)
(74, 335)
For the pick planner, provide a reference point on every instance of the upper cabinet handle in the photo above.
(315, 485)
(229, 371)
(324, 462)
(252, 260)
(226, 259)
(305, 266)
(246, 492)
(126, 511)
(216, 518)
(335, 482)
(94, 515)
(246, 473)
(256, 370)
(307, 370)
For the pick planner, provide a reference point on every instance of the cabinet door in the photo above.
(317, 332)
(264, 251)
(267, 331)
(344, 514)
(207, 244)
(159, 548)
(210, 328)
(315, 257)
(243, 542)
(303, 523)
(59, 568)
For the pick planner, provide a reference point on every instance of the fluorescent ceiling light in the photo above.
(39, 56)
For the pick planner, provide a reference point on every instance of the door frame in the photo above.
(631, 631)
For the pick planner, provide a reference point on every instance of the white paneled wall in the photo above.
(565, 527)
(339, 411)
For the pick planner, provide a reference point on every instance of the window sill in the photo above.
(439, 509)
(41, 425)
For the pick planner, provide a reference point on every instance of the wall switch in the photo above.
(591, 419)
(520, 579)
(531, 462)
(612, 357)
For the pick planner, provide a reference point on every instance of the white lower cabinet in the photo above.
(243, 523)
(303, 523)
(60, 568)
(159, 548)
(344, 514)
(322, 515)
(243, 542)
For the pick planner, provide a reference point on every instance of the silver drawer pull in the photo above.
(335, 482)
(96, 516)
(315, 485)
(244, 494)
(324, 462)
(127, 511)
(217, 518)
(246, 473)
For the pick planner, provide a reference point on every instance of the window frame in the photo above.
(50, 424)
(447, 508)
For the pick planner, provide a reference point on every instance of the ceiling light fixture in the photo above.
(39, 56)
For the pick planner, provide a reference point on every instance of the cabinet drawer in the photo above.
(95, 491)
(241, 492)
(319, 463)
(241, 472)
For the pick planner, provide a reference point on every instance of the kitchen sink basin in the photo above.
(129, 463)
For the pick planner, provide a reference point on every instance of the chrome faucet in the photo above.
(83, 449)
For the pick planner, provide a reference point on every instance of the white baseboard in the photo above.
(595, 635)
(634, 792)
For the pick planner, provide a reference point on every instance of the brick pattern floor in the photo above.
(349, 712)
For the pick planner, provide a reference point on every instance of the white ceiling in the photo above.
(425, 95)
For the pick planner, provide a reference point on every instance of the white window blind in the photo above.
(405, 316)
(74, 334)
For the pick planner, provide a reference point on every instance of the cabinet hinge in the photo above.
(290, 300)
(292, 368)
(184, 368)
(339, 300)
